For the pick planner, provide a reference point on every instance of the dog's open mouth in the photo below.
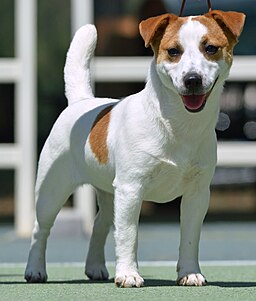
(194, 103)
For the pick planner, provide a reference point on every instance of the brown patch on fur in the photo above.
(216, 37)
(98, 135)
(229, 21)
(224, 29)
(154, 26)
(161, 33)
(170, 39)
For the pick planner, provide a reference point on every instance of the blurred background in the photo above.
(234, 185)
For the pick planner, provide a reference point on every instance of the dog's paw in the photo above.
(35, 275)
(97, 272)
(192, 280)
(129, 280)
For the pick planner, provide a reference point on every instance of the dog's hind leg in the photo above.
(95, 263)
(54, 185)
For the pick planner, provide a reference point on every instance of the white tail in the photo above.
(76, 71)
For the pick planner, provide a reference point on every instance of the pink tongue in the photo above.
(193, 102)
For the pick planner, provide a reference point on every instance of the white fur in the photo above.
(157, 151)
(76, 71)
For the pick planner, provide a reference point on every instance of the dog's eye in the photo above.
(173, 52)
(211, 49)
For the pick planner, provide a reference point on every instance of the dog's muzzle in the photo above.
(195, 100)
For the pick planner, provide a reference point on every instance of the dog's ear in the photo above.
(231, 21)
(155, 26)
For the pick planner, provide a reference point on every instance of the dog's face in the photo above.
(193, 54)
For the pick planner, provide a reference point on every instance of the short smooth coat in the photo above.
(155, 145)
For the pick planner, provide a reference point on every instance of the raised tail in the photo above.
(77, 68)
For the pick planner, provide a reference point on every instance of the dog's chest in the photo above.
(170, 178)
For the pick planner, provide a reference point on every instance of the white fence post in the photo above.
(25, 110)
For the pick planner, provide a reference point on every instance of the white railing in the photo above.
(20, 156)
(133, 69)
(237, 154)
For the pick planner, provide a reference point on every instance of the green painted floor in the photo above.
(225, 282)
(227, 253)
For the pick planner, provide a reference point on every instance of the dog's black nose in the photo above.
(192, 81)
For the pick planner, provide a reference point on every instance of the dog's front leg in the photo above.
(193, 209)
(127, 210)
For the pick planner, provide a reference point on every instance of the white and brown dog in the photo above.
(155, 145)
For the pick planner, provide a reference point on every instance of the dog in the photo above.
(155, 145)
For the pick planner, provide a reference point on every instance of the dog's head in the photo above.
(193, 54)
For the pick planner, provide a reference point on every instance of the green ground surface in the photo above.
(68, 283)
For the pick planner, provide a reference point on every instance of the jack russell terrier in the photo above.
(155, 145)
